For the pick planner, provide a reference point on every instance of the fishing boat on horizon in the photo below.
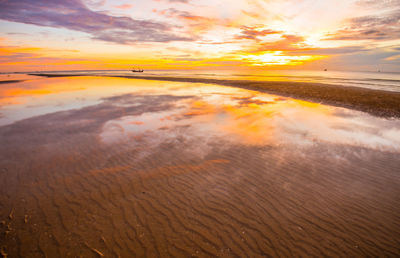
(137, 70)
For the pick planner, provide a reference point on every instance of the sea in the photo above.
(372, 80)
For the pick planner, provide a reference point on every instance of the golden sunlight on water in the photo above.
(94, 166)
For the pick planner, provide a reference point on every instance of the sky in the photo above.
(347, 35)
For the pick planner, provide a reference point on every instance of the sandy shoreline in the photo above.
(137, 168)
(376, 102)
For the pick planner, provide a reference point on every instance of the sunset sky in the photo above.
(362, 35)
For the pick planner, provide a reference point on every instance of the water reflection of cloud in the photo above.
(357, 129)
(261, 120)
(197, 116)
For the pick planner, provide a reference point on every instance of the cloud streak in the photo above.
(175, 1)
(386, 27)
(254, 33)
(124, 6)
(286, 43)
(74, 15)
(332, 51)
(378, 3)
(195, 24)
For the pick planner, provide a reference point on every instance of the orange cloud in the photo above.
(194, 23)
(136, 123)
(34, 58)
(286, 43)
(124, 6)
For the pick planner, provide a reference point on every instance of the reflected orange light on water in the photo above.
(198, 108)
(190, 110)
(257, 121)
(34, 87)
(250, 123)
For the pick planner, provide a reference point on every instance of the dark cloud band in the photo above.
(74, 15)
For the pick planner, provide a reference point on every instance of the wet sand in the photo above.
(181, 170)
(377, 102)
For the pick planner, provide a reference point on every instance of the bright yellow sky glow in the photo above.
(277, 58)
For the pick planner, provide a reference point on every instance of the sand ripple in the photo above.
(66, 193)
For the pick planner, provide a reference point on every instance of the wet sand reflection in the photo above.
(142, 168)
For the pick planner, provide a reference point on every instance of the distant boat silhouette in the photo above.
(137, 70)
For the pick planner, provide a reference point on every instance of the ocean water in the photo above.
(371, 80)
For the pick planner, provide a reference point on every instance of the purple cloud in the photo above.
(382, 27)
(379, 3)
(252, 33)
(177, 1)
(74, 15)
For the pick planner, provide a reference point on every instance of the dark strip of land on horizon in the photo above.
(10, 81)
(377, 102)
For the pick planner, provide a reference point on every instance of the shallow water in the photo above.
(148, 168)
(370, 80)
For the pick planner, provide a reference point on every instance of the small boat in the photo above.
(137, 70)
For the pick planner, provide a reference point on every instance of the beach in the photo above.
(182, 128)
(377, 102)
(97, 166)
